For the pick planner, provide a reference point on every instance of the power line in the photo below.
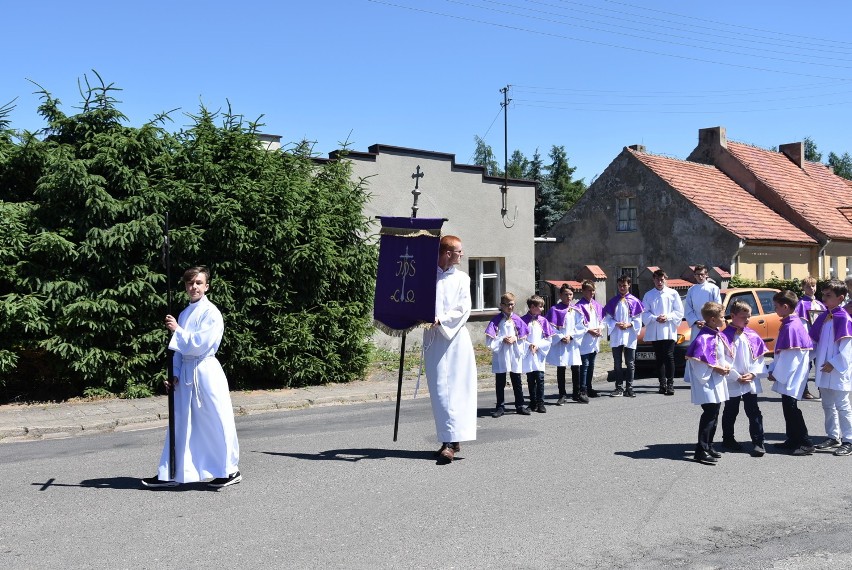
(605, 44)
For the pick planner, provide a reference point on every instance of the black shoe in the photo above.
(803, 450)
(662, 389)
(785, 446)
(731, 444)
(670, 390)
(562, 399)
(759, 450)
(714, 453)
(231, 479)
(830, 443)
(583, 398)
(592, 393)
(629, 393)
(156, 483)
(617, 392)
(498, 412)
(523, 411)
(844, 449)
(540, 408)
(575, 397)
(706, 459)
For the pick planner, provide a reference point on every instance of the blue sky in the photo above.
(592, 75)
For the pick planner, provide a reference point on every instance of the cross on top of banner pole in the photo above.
(417, 176)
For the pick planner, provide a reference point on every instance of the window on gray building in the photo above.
(626, 209)
(486, 282)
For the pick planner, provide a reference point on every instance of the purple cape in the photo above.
(556, 314)
(547, 329)
(755, 344)
(804, 306)
(793, 335)
(633, 303)
(842, 324)
(703, 346)
(584, 306)
(520, 326)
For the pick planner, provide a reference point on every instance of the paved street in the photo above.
(604, 485)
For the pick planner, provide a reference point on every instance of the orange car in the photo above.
(763, 319)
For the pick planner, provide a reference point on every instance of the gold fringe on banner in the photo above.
(409, 233)
(398, 332)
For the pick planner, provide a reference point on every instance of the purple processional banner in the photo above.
(405, 283)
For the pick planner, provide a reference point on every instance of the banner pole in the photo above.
(399, 386)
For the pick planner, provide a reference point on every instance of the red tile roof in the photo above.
(576, 285)
(596, 271)
(722, 272)
(715, 194)
(813, 190)
(679, 283)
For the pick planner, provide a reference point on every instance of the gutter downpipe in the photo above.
(819, 258)
(735, 259)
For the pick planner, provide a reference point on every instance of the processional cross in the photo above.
(417, 176)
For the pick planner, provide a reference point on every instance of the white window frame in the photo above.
(628, 222)
(478, 278)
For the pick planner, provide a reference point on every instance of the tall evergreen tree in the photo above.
(518, 165)
(842, 165)
(811, 152)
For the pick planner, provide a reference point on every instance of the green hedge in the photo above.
(82, 286)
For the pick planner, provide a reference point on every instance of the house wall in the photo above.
(469, 201)
(666, 236)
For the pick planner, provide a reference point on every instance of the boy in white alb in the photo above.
(623, 319)
(663, 311)
(709, 360)
(567, 321)
(591, 341)
(505, 335)
(789, 372)
(832, 336)
(747, 369)
(808, 309)
(537, 345)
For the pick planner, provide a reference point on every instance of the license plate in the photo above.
(645, 356)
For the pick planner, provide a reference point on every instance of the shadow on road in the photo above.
(121, 484)
(673, 451)
(357, 454)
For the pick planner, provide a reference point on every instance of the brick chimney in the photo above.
(794, 151)
(711, 143)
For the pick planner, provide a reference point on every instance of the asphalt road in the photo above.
(604, 485)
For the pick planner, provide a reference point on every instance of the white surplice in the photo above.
(628, 337)
(744, 364)
(535, 361)
(665, 303)
(206, 445)
(449, 360)
(696, 297)
(707, 386)
(567, 353)
(790, 369)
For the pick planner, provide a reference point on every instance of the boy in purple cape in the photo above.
(591, 342)
(504, 336)
(832, 336)
(623, 318)
(536, 347)
(565, 352)
(709, 359)
(789, 372)
(807, 310)
(744, 380)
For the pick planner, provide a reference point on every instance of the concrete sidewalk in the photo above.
(27, 422)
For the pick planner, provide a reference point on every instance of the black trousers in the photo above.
(707, 428)
(755, 418)
(560, 378)
(517, 387)
(797, 431)
(664, 353)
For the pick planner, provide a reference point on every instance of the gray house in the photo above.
(653, 211)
